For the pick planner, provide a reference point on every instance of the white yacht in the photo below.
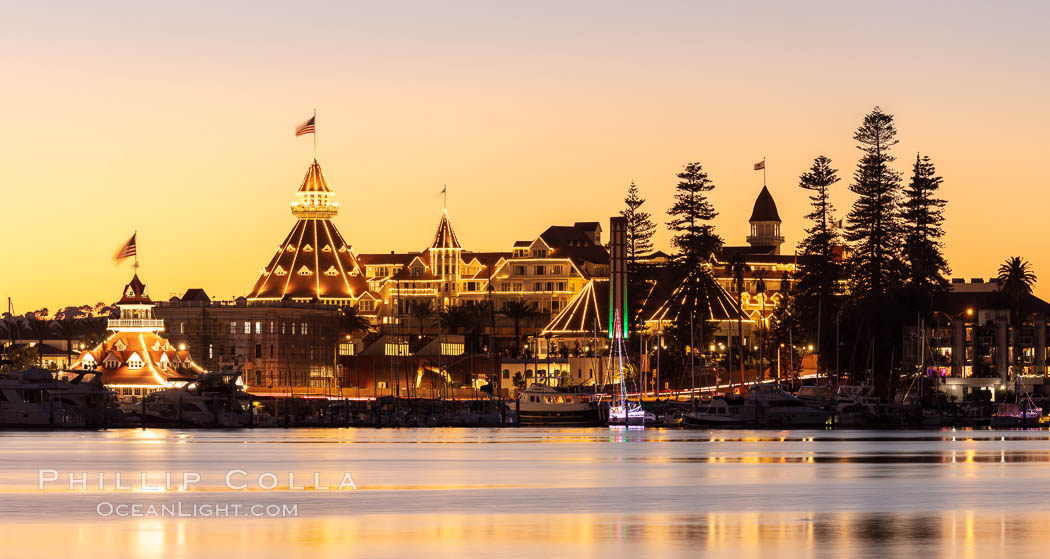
(213, 400)
(544, 405)
(26, 401)
(769, 406)
(719, 412)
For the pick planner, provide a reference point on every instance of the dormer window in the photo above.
(326, 249)
(135, 362)
(304, 271)
(331, 271)
(308, 248)
(120, 345)
(112, 362)
(290, 248)
(280, 271)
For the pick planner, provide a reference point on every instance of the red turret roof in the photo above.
(135, 293)
(446, 235)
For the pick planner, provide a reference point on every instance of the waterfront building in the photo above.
(278, 345)
(135, 360)
(974, 344)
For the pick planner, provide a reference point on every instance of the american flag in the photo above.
(760, 165)
(127, 250)
(306, 127)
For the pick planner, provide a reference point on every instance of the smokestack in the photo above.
(618, 274)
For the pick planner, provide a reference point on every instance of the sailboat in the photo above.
(623, 410)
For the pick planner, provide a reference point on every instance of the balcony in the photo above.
(136, 323)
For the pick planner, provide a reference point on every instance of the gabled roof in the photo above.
(765, 208)
(384, 259)
(314, 180)
(446, 235)
(135, 293)
(563, 235)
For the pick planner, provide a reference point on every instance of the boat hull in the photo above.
(573, 418)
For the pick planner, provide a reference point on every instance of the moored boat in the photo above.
(545, 405)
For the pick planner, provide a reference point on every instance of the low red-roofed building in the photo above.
(134, 359)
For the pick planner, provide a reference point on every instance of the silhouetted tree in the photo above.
(691, 215)
(873, 224)
(923, 215)
(640, 226)
(423, 312)
(876, 235)
(517, 311)
(694, 241)
(818, 283)
(1016, 280)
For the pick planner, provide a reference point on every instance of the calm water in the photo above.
(531, 492)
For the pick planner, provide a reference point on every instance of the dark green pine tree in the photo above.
(640, 226)
(818, 283)
(694, 241)
(873, 224)
(923, 216)
(694, 235)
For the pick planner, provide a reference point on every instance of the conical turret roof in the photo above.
(314, 180)
(313, 262)
(446, 235)
(765, 208)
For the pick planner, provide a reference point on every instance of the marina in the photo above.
(562, 492)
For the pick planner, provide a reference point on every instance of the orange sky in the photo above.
(177, 121)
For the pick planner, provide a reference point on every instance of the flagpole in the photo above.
(315, 134)
(763, 171)
(136, 237)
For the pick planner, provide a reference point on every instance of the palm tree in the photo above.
(96, 329)
(40, 329)
(15, 326)
(423, 311)
(1016, 280)
(517, 311)
(68, 328)
(760, 290)
(737, 267)
(453, 317)
(351, 321)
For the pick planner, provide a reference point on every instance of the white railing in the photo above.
(152, 323)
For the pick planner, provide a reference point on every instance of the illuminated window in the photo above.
(258, 327)
(135, 362)
(247, 327)
(304, 271)
(279, 271)
(308, 248)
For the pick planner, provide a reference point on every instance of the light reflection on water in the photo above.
(564, 492)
